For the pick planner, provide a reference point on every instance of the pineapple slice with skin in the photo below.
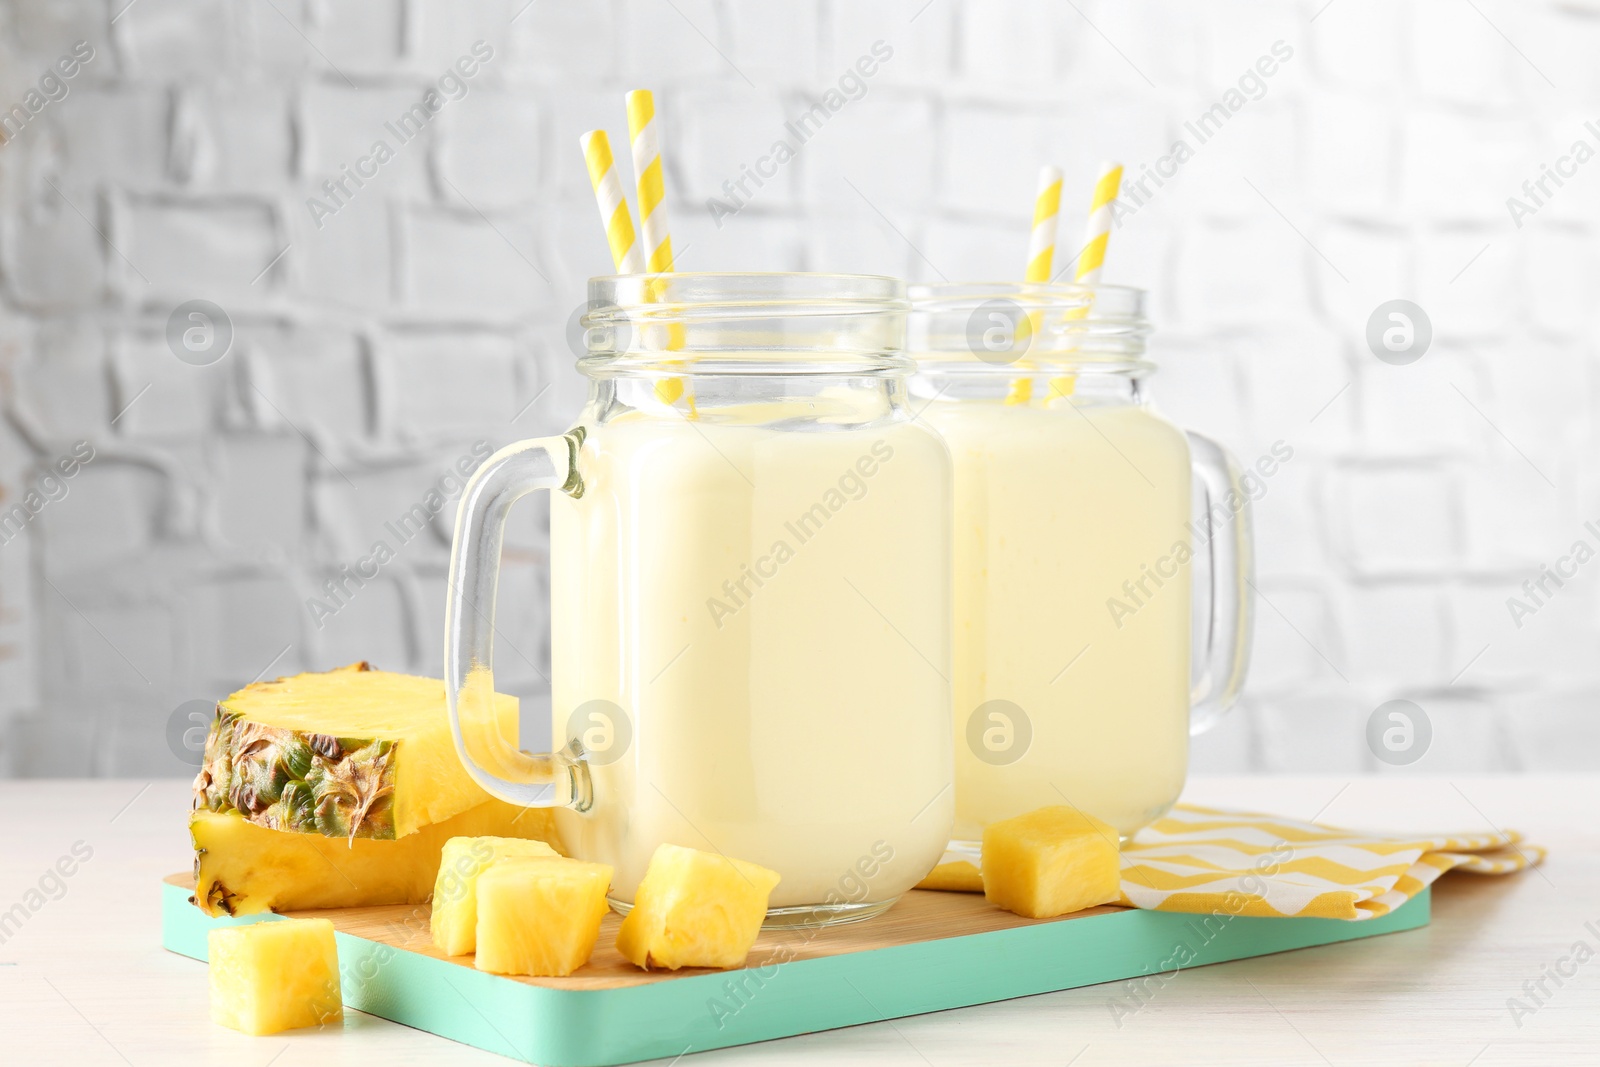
(539, 917)
(243, 869)
(353, 753)
(274, 976)
(1051, 862)
(695, 909)
(454, 921)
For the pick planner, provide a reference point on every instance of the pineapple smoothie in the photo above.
(753, 591)
(1072, 604)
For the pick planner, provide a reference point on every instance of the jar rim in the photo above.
(702, 293)
(953, 325)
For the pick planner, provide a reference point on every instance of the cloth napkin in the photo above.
(1207, 860)
(1210, 861)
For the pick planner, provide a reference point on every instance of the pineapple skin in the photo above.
(695, 909)
(453, 922)
(540, 917)
(242, 868)
(1049, 862)
(352, 753)
(274, 976)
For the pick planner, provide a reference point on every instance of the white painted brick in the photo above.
(777, 43)
(1459, 60)
(562, 43)
(1395, 518)
(1316, 731)
(730, 138)
(1359, 43)
(1541, 400)
(240, 622)
(314, 375)
(1554, 732)
(375, 501)
(1350, 144)
(755, 241)
(445, 30)
(675, 42)
(372, 624)
(177, 38)
(1261, 143)
(920, 36)
(1463, 296)
(1247, 273)
(957, 250)
(1561, 273)
(356, 35)
(1237, 33)
(1296, 638)
(856, 243)
(990, 158)
(1467, 737)
(448, 383)
(490, 151)
(1291, 523)
(261, 497)
(1375, 262)
(118, 646)
(572, 112)
(342, 125)
(1456, 166)
(108, 133)
(51, 257)
(110, 513)
(179, 399)
(1514, 519)
(1296, 382)
(1561, 40)
(197, 248)
(347, 262)
(1395, 634)
(63, 389)
(243, 139)
(1415, 410)
(48, 31)
(1199, 385)
(884, 145)
(1014, 43)
(459, 263)
(1552, 646)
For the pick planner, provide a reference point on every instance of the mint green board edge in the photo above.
(572, 1028)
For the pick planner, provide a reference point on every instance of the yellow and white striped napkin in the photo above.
(1206, 859)
(1210, 861)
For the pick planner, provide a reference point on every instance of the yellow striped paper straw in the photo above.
(614, 215)
(653, 215)
(1096, 235)
(647, 168)
(1041, 252)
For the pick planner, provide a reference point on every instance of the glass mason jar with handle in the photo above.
(1102, 554)
(750, 592)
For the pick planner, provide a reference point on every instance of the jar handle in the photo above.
(495, 761)
(1223, 587)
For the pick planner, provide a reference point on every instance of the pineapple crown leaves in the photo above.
(353, 785)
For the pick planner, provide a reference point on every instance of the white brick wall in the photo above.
(425, 314)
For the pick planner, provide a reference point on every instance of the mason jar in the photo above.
(751, 581)
(1084, 524)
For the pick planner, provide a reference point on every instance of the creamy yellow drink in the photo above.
(760, 596)
(1072, 609)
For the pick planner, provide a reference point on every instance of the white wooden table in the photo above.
(83, 979)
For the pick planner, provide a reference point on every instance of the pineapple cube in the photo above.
(540, 916)
(957, 876)
(274, 976)
(1050, 862)
(454, 921)
(695, 909)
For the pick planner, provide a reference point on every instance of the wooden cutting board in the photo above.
(929, 952)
